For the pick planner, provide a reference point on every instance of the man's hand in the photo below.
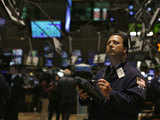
(104, 87)
(83, 95)
(141, 83)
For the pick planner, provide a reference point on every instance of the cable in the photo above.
(54, 41)
(11, 15)
(38, 6)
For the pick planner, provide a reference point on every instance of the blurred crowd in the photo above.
(52, 91)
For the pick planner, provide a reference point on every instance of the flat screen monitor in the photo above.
(151, 72)
(80, 68)
(17, 56)
(96, 14)
(46, 48)
(64, 54)
(65, 62)
(99, 58)
(46, 29)
(48, 55)
(79, 60)
(32, 60)
(49, 63)
(34, 53)
(76, 53)
(107, 62)
(7, 53)
(17, 52)
(16, 61)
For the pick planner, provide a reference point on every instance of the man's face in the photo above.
(114, 46)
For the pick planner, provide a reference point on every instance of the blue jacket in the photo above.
(126, 97)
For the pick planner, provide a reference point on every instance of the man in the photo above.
(64, 94)
(121, 84)
(45, 87)
(4, 97)
(53, 98)
(153, 92)
(17, 93)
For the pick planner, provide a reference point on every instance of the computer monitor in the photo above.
(48, 62)
(16, 61)
(64, 54)
(32, 60)
(46, 29)
(96, 14)
(107, 62)
(17, 52)
(65, 62)
(99, 58)
(17, 57)
(151, 72)
(76, 52)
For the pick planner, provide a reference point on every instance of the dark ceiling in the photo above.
(84, 36)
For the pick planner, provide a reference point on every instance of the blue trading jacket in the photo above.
(126, 97)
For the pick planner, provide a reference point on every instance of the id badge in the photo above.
(120, 73)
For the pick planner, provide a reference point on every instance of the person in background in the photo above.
(4, 97)
(17, 94)
(66, 94)
(154, 94)
(43, 93)
(122, 85)
(53, 98)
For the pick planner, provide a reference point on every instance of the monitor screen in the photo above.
(76, 53)
(17, 55)
(151, 72)
(17, 52)
(79, 60)
(100, 10)
(32, 60)
(99, 14)
(64, 54)
(7, 53)
(99, 58)
(80, 68)
(48, 55)
(47, 48)
(34, 53)
(46, 29)
(48, 62)
(16, 61)
(96, 14)
(65, 62)
(107, 62)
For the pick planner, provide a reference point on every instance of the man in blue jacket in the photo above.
(121, 85)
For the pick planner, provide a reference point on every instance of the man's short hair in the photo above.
(125, 38)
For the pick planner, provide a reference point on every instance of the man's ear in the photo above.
(125, 51)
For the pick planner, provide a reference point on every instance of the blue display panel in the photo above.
(46, 29)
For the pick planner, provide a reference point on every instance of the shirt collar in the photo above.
(119, 65)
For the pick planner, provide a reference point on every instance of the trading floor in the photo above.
(36, 116)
